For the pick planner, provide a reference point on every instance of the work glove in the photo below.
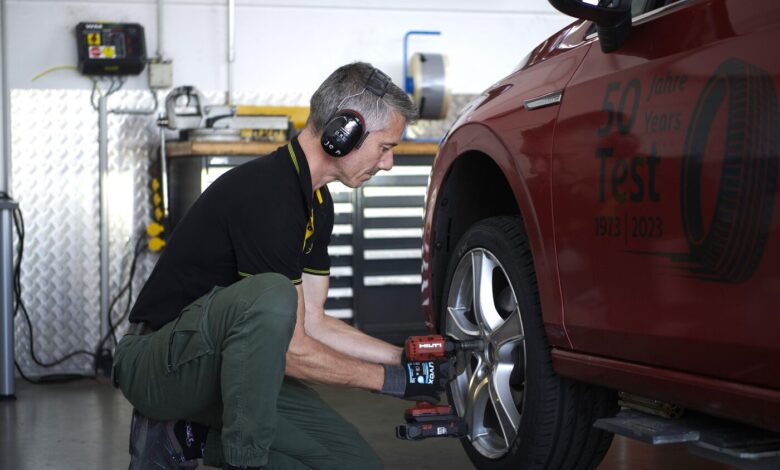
(417, 380)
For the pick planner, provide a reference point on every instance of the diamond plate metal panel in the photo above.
(54, 145)
(55, 179)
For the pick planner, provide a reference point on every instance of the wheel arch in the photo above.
(475, 189)
(475, 177)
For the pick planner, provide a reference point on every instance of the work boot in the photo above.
(153, 445)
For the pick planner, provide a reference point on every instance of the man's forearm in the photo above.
(353, 342)
(311, 360)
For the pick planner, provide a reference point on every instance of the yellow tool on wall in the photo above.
(156, 229)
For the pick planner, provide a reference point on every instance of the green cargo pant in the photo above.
(221, 363)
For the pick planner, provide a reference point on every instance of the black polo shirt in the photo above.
(258, 217)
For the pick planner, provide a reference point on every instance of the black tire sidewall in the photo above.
(505, 239)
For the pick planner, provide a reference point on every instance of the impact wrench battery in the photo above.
(426, 420)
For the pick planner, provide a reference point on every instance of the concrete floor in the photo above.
(84, 426)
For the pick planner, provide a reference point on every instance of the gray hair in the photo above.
(346, 88)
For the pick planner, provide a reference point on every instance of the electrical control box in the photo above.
(111, 48)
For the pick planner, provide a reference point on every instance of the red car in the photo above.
(606, 219)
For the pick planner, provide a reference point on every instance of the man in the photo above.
(232, 317)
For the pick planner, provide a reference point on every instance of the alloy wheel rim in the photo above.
(490, 393)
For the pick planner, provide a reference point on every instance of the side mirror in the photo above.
(612, 18)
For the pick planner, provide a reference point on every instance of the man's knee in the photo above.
(271, 299)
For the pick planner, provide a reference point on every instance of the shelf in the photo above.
(202, 148)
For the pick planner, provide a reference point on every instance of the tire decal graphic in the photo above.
(729, 248)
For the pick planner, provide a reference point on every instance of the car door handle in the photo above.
(545, 100)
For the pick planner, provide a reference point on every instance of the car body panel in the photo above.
(658, 258)
(633, 288)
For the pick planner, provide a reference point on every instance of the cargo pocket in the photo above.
(188, 340)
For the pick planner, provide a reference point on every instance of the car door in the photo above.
(665, 193)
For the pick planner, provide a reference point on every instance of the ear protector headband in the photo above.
(346, 129)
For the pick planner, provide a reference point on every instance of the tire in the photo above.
(729, 247)
(520, 413)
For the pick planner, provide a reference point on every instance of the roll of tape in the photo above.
(430, 91)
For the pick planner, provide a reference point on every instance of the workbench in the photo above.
(202, 147)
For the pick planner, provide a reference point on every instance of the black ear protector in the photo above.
(346, 129)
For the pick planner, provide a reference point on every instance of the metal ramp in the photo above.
(734, 444)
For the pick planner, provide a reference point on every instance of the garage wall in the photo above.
(284, 49)
(288, 45)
